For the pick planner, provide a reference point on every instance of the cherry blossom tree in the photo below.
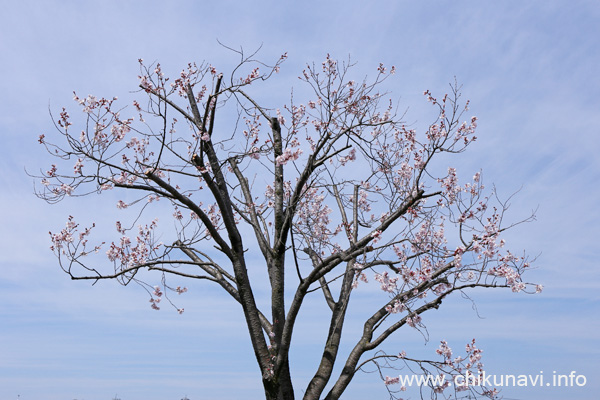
(324, 195)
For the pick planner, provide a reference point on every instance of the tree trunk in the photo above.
(281, 387)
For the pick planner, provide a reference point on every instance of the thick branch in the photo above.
(260, 237)
(194, 207)
(217, 273)
(323, 375)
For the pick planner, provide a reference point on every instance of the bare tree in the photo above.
(334, 191)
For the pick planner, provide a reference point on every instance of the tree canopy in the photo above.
(323, 195)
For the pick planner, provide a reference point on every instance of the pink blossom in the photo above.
(450, 184)
(254, 153)
(539, 288)
(517, 287)
(52, 171)
(66, 189)
(288, 155)
(146, 84)
(363, 277)
(413, 320)
(178, 215)
(391, 381)
(396, 308)
(445, 351)
(78, 166)
(153, 303)
(387, 284)
(120, 130)
(350, 157)
(65, 236)
(376, 235)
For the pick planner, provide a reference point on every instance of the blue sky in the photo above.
(530, 70)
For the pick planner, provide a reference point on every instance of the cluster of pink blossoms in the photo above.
(388, 284)
(129, 255)
(288, 155)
